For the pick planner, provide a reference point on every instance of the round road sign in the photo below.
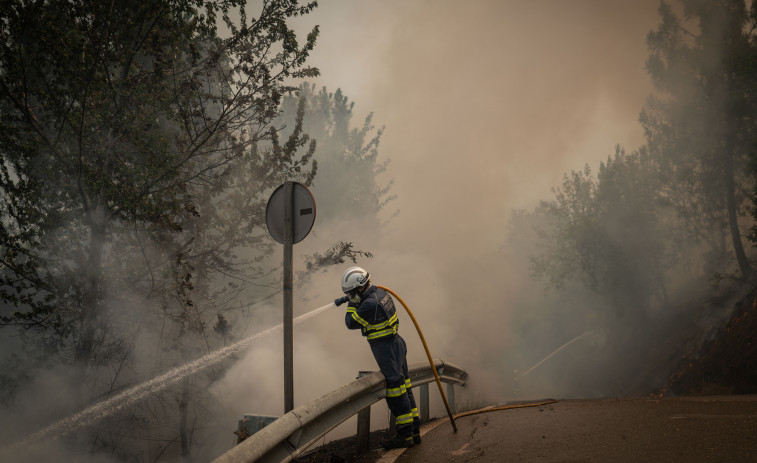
(303, 212)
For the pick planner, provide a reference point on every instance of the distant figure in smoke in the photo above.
(372, 311)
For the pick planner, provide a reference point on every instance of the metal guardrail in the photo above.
(292, 434)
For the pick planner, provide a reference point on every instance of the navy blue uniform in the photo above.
(376, 318)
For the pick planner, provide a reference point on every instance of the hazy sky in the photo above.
(486, 103)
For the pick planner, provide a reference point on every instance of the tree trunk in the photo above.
(733, 223)
(90, 303)
(184, 431)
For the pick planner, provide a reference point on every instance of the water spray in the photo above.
(136, 393)
(556, 351)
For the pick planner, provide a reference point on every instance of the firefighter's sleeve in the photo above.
(352, 319)
(356, 316)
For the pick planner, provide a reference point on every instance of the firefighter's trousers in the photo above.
(391, 358)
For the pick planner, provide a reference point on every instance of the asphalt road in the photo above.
(694, 429)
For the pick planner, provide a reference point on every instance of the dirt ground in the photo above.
(344, 450)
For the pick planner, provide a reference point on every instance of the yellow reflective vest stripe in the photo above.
(358, 318)
(379, 330)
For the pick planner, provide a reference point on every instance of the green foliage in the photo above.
(137, 153)
(221, 249)
(701, 124)
(674, 210)
(333, 256)
(113, 116)
(348, 164)
(606, 233)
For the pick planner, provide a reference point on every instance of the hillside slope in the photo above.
(726, 364)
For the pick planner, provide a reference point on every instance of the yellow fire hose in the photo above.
(430, 360)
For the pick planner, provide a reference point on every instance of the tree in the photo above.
(701, 124)
(606, 233)
(347, 158)
(129, 133)
(218, 259)
(111, 114)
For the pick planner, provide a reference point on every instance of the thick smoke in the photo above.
(487, 105)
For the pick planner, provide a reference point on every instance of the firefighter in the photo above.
(372, 311)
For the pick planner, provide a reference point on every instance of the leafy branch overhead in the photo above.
(335, 255)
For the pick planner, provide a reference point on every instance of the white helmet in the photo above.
(353, 278)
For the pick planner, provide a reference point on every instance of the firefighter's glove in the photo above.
(341, 300)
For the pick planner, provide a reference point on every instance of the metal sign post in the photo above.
(290, 215)
(288, 302)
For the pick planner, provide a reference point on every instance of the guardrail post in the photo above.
(363, 424)
(363, 430)
(451, 397)
(424, 413)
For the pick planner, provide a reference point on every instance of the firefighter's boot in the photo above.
(398, 442)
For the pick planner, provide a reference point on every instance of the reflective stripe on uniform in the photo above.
(358, 318)
(382, 325)
(404, 419)
(414, 411)
(380, 334)
(379, 330)
(396, 391)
